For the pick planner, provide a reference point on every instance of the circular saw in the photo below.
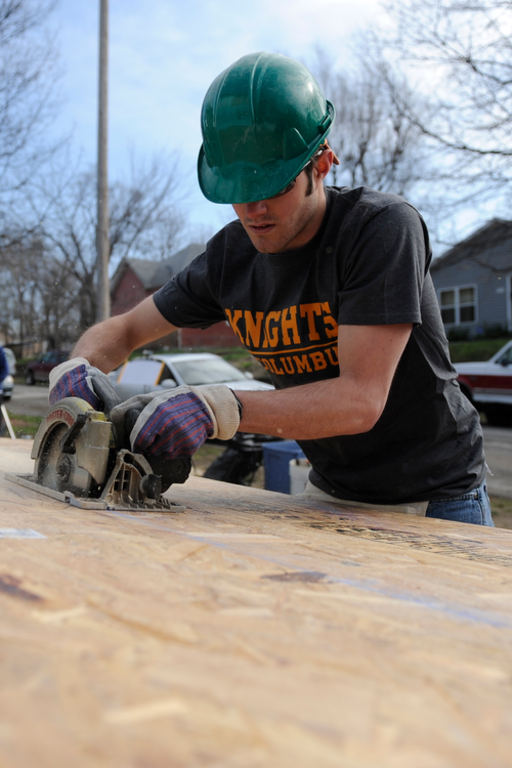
(82, 457)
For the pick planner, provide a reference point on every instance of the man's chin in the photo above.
(261, 243)
(265, 243)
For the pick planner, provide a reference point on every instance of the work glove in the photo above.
(74, 378)
(175, 424)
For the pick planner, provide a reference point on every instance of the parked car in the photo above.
(39, 369)
(8, 382)
(153, 372)
(489, 385)
(243, 454)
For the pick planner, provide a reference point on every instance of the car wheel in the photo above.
(29, 379)
(498, 415)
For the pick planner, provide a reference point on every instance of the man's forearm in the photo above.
(108, 344)
(312, 411)
(105, 345)
(350, 404)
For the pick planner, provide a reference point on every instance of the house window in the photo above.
(458, 305)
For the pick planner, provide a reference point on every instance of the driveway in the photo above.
(29, 401)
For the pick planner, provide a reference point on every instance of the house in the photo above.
(473, 281)
(136, 279)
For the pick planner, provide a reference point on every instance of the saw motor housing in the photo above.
(78, 452)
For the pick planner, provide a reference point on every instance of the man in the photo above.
(4, 370)
(329, 289)
(4, 367)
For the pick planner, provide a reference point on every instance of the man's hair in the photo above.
(309, 175)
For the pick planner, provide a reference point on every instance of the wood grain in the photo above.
(253, 630)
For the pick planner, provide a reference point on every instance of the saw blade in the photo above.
(72, 447)
(60, 471)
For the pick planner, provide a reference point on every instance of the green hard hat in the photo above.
(262, 119)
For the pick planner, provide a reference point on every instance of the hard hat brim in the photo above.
(247, 182)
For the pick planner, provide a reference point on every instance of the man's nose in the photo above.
(257, 208)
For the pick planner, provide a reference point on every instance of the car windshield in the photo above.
(141, 371)
(506, 359)
(194, 372)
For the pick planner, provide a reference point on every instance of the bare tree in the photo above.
(377, 145)
(460, 54)
(27, 78)
(145, 222)
(37, 295)
(146, 219)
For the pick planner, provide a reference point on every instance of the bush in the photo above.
(475, 350)
(495, 331)
(458, 334)
(486, 331)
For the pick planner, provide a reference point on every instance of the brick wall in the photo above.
(129, 293)
(218, 335)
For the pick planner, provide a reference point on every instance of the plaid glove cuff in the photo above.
(73, 379)
(176, 424)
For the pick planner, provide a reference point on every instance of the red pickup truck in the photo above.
(489, 386)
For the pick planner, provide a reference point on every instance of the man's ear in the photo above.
(324, 163)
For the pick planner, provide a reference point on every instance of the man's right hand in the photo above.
(74, 379)
(174, 424)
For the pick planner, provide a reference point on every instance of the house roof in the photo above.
(181, 259)
(154, 274)
(490, 236)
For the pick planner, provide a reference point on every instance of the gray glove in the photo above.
(175, 424)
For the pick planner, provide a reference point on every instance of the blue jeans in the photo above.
(473, 507)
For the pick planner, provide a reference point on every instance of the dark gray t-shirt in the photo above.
(367, 265)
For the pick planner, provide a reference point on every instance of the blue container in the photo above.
(276, 460)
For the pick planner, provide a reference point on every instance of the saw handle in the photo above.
(106, 393)
(110, 398)
(165, 473)
(131, 417)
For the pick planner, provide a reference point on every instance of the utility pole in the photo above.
(102, 241)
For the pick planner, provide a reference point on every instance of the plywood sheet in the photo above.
(252, 630)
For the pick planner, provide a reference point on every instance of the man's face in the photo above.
(286, 222)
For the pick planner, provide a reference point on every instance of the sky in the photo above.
(163, 55)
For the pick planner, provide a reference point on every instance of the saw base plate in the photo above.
(161, 505)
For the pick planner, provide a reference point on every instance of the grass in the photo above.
(475, 351)
(501, 512)
(23, 426)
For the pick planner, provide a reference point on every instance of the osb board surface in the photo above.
(15, 455)
(253, 630)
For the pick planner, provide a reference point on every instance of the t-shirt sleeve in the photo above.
(186, 300)
(383, 276)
